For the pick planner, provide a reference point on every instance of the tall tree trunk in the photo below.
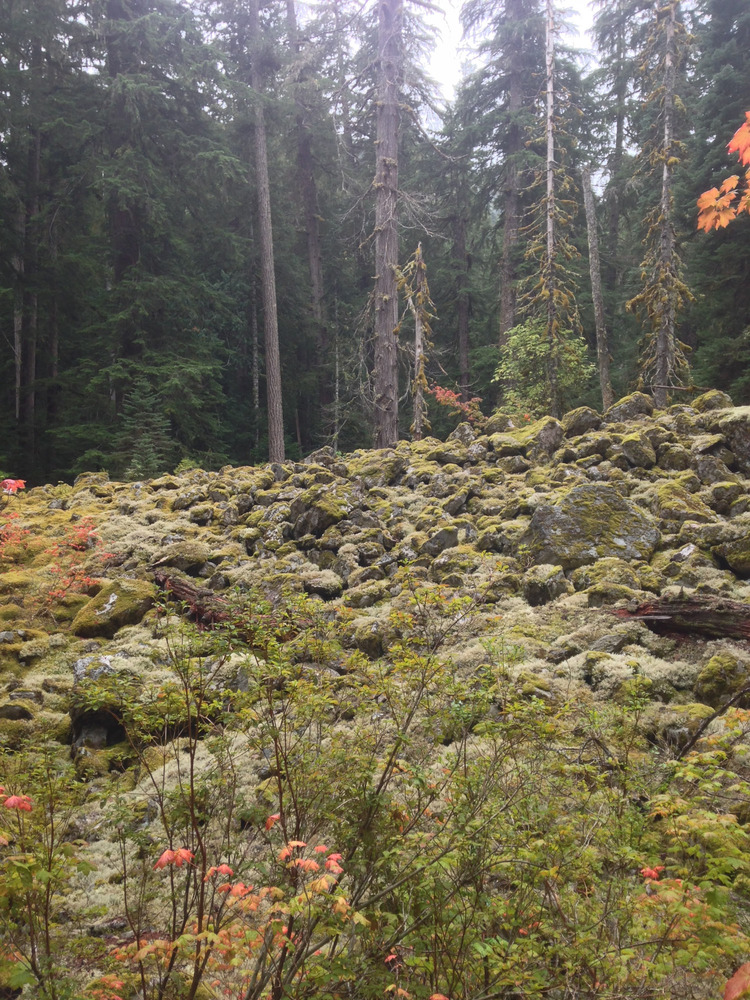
(309, 198)
(420, 382)
(512, 210)
(30, 316)
(602, 347)
(461, 262)
(665, 338)
(550, 251)
(390, 19)
(267, 270)
(18, 265)
(614, 191)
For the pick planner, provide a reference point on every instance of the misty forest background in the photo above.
(131, 262)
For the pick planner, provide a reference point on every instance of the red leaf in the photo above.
(739, 985)
(18, 802)
(272, 819)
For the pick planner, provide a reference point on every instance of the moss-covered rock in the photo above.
(721, 678)
(714, 399)
(118, 603)
(638, 450)
(610, 570)
(588, 523)
(188, 556)
(637, 404)
(540, 438)
(580, 421)
(736, 554)
(674, 503)
(544, 583)
(320, 508)
(734, 425)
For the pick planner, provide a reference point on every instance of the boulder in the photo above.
(118, 603)
(734, 425)
(722, 677)
(637, 404)
(587, 523)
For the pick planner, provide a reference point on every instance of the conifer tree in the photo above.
(664, 292)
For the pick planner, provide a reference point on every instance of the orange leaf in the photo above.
(738, 986)
(740, 143)
(730, 184)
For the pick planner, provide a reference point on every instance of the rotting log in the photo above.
(202, 605)
(256, 626)
(707, 617)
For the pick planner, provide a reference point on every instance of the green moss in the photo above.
(587, 523)
(674, 503)
(118, 603)
(15, 581)
(736, 554)
(603, 594)
(721, 678)
(11, 613)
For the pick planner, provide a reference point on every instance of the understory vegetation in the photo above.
(283, 818)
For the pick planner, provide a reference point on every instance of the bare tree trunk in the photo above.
(18, 267)
(462, 299)
(309, 198)
(267, 271)
(420, 381)
(549, 262)
(615, 166)
(390, 19)
(512, 213)
(665, 338)
(602, 347)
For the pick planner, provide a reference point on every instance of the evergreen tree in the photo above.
(718, 265)
(664, 292)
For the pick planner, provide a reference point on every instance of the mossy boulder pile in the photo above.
(545, 527)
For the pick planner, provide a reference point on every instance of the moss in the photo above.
(714, 399)
(587, 523)
(118, 603)
(609, 570)
(11, 612)
(721, 678)
(68, 606)
(15, 581)
(638, 450)
(674, 724)
(635, 405)
(736, 554)
(604, 594)
(532, 685)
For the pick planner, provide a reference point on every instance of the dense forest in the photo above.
(240, 231)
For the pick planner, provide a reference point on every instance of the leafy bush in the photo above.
(523, 369)
(297, 821)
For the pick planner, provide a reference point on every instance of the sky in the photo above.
(446, 61)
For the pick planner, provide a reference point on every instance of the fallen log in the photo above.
(257, 624)
(201, 605)
(704, 616)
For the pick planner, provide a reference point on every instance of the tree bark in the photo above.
(512, 212)
(665, 338)
(461, 261)
(419, 347)
(602, 346)
(309, 199)
(549, 261)
(390, 18)
(267, 269)
(708, 617)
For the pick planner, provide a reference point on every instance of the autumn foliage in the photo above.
(719, 206)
